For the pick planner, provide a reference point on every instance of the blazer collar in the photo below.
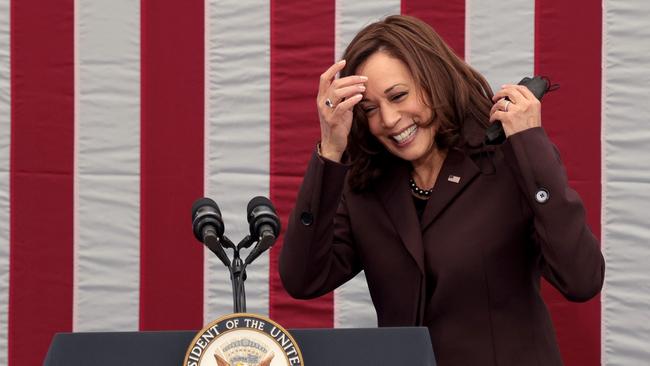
(393, 190)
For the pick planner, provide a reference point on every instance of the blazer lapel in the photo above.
(395, 195)
(456, 173)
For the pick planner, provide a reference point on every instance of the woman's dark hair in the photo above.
(452, 89)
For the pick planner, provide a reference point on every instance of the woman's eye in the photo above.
(367, 110)
(398, 96)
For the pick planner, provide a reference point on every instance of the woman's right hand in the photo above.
(336, 118)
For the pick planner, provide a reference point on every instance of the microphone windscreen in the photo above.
(202, 202)
(258, 201)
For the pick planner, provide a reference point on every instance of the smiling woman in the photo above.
(452, 234)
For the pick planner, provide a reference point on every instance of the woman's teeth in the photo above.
(405, 134)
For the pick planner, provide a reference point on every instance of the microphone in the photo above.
(208, 227)
(264, 225)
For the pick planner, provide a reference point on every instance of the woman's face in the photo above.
(394, 109)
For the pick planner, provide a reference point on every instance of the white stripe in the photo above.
(107, 165)
(352, 15)
(626, 183)
(500, 39)
(352, 304)
(5, 136)
(238, 137)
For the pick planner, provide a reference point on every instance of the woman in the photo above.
(452, 235)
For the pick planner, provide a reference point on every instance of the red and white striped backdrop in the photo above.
(116, 115)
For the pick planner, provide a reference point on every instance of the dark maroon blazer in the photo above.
(470, 269)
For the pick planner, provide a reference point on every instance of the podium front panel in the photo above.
(320, 347)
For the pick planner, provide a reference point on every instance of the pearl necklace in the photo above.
(419, 191)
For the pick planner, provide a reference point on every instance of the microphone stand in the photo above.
(237, 270)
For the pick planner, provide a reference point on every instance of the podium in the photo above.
(319, 347)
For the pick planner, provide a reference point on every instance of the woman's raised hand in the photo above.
(520, 111)
(335, 100)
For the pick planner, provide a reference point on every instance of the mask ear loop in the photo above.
(551, 87)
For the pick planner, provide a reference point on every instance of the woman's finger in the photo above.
(511, 92)
(348, 91)
(501, 105)
(497, 116)
(347, 104)
(348, 81)
(527, 93)
(327, 77)
(336, 95)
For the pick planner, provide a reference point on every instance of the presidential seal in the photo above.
(243, 339)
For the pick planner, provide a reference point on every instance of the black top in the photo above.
(420, 204)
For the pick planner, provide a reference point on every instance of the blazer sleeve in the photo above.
(318, 253)
(571, 258)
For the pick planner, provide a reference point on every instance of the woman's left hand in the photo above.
(519, 112)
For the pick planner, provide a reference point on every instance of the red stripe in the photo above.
(42, 166)
(171, 274)
(447, 17)
(568, 50)
(302, 47)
